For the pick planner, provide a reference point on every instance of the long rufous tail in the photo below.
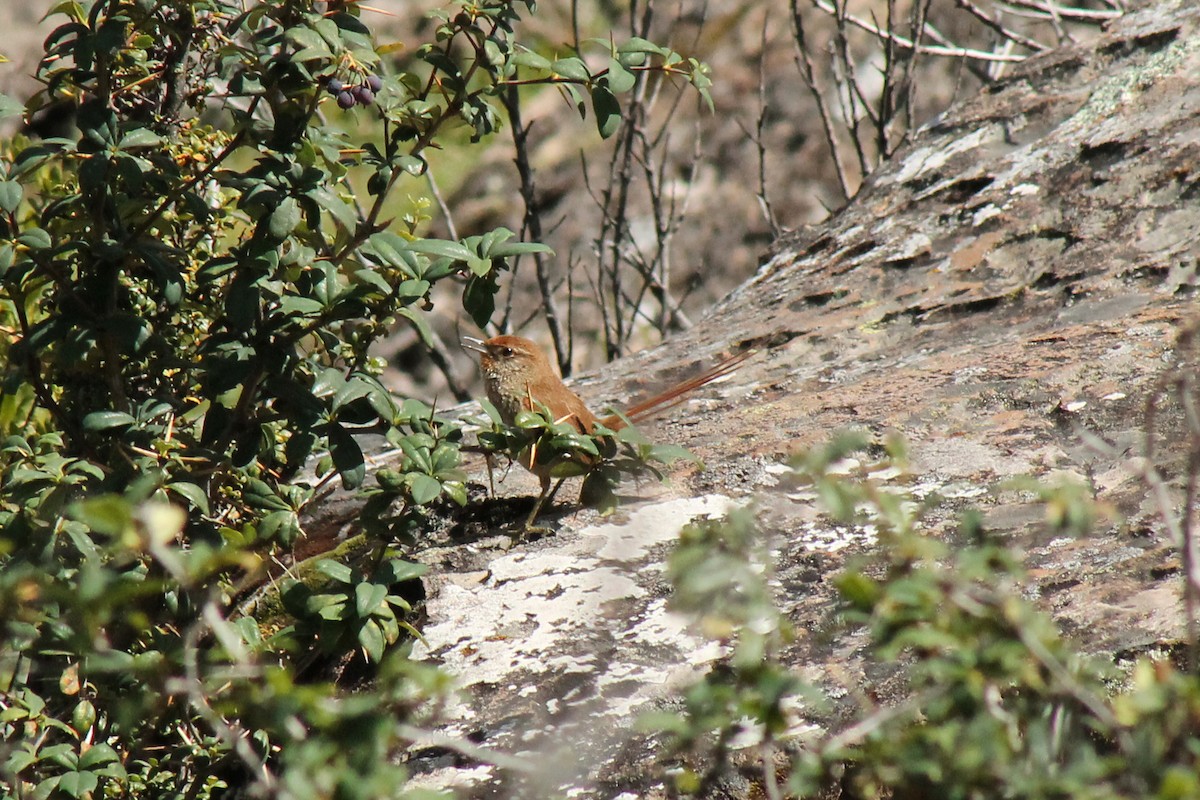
(677, 393)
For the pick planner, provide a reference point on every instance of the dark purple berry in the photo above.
(364, 95)
(334, 86)
(374, 83)
(345, 99)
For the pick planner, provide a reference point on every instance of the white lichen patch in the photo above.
(652, 525)
(948, 490)
(519, 625)
(558, 610)
(927, 159)
(912, 246)
(826, 537)
(985, 213)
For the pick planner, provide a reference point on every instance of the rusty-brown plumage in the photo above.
(518, 375)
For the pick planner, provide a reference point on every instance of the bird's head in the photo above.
(503, 356)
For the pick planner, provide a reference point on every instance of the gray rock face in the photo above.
(1007, 294)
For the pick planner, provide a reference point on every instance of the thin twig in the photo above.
(907, 44)
(996, 25)
(849, 94)
(808, 74)
(760, 123)
(447, 215)
(1045, 11)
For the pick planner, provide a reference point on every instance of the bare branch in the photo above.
(808, 74)
(995, 24)
(1046, 10)
(908, 44)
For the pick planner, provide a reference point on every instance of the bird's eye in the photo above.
(508, 352)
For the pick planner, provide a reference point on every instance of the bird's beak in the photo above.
(471, 343)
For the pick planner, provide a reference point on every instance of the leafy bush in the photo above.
(998, 703)
(189, 290)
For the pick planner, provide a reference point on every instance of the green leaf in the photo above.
(456, 491)
(140, 137)
(398, 570)
(341, 211)
(619, 79)
(859, 590)
(309, 41)
(607, 109)
(78, 784)
(328, 382)
(328, 30)
(424, 489)
(334, 611)
(368, 597)
(528, 58)
(575, 97)
(260, 495)
(416, 452)
(352, 390)
(10, 195)
(103, 420)
(347, 457)
(479, 266)
(440, 247)
(335, 569)
(569, 469)
(35, 239)
(300, 307)
(284, 218)
(420, 324)
(636, 44)
(412, 289)
(19, 760)
(413, 165)
(572, 68)
(394, 251)
(506, 249)
(479, 298)
(192, 493)
(370, 636)
(370, 277)
(108, 514)
(96, 755)
(670, 453)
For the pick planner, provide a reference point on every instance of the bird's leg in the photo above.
(544, 498)
(554, 491)
(491, 471)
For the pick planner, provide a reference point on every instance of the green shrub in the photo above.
(189, 289)
(997, 702)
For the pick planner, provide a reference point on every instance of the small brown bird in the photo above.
(518, 375)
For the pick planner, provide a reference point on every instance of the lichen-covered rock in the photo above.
(1007, 294)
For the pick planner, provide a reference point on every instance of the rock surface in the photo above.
(1007, 294)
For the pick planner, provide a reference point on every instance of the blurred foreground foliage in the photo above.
(189, 290)
(998, 704)
(603, 458)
